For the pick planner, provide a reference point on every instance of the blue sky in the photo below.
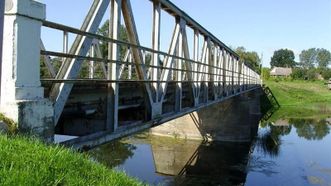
(259, 25)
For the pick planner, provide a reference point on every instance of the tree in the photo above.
(55, 62)
(308, 58)
(265, 73)
(283, 58)
(315, 57)
(250, 57)
(326, 73)
(323, 58)
(311, 129)
(299, 73)
(123, 36)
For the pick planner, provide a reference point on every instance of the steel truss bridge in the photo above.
(145, 84)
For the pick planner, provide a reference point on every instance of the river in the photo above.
(284, 152)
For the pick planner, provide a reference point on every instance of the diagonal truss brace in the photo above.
(70, 68)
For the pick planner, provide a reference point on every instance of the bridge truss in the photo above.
(172, 83)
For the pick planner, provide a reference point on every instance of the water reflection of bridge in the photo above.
(196, 162)
(216, 163)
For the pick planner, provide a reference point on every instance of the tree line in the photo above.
(311, 58)
(312, 63)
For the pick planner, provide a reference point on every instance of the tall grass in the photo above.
(25, 161)
(300, 98)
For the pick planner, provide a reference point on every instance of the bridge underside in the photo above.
(84, 117)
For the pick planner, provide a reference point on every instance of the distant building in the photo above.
(281, 71)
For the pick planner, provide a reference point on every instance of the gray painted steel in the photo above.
(2, 12)
(172, 80)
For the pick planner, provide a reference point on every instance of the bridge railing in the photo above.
(213, 73)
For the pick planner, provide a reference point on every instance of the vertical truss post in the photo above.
(239, 75)
(214, 71)
(179, 74)
(224, 72)
(202, 68)
(242, 76)
(157, 105)
(246, 77)
(130, 67)
(208, 62)
(91, 64)
(228, 71)
(195, 67)
(186, 52)
(236, 74)
(156, 47)
(220, 72)
(65, 43)
(249, 78)
(113, 68)
(232, 73)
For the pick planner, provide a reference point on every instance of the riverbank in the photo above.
(303, 99)
(30, 162)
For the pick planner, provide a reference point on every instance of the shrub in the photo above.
(298, 73)
(304, 74)
(326, 74)
(265, 73)
(311, 74)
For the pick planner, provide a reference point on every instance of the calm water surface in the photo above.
(285, 152)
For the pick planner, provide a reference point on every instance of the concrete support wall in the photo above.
(235, 120)
(21, 93)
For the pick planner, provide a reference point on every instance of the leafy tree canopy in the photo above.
(283, 58)
(323, 58)
(250, 57)
(315, 57)
(308, 58)
(104, 31)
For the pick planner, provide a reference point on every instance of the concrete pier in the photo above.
(22, 97)
(234, 120)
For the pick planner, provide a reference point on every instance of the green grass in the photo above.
(26, 161)
(301, 99)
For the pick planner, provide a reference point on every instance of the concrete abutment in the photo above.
(22, 97)
(234, 120)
